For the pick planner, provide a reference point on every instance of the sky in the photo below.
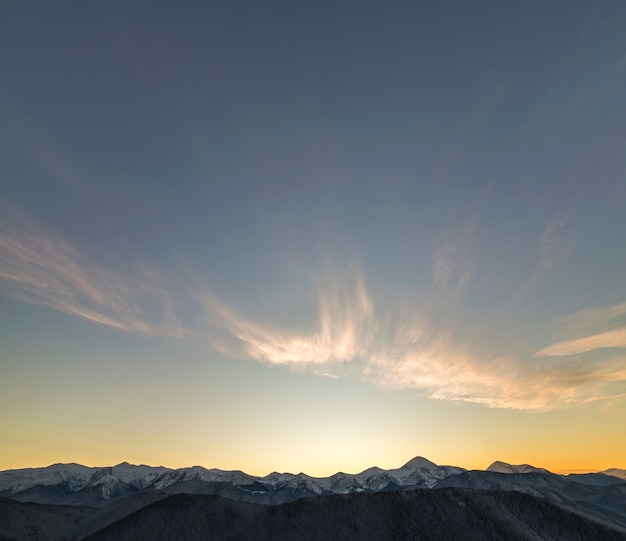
(313, 236)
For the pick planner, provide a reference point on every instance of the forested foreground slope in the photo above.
(446, 514)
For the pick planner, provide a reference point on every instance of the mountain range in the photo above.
(101, 497)
(76, 484)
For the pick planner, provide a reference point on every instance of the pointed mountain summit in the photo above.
(418, 462)
(420, 471)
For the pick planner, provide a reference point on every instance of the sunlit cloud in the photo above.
(349, 338)
(604, 328)
(500, 382)
(40, 267)
(609, 339)
(348, 335)
(344, 330)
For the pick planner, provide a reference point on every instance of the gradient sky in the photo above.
(313, 236)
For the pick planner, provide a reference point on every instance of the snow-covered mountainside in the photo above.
(73, 478)
(235, 478)
(123, 479)
(416, 472)
(80, 485)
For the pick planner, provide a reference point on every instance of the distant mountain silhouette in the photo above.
(503, 467)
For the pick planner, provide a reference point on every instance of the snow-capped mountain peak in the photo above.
(420, 471)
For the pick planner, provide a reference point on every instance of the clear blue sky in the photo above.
(313, 236)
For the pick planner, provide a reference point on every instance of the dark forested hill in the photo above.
(446, 514)
(420, 515)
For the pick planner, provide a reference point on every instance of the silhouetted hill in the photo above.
(34, 521)
(38, 522)
(446, 514)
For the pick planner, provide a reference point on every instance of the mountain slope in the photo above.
(430, 515)
(601, 502)
(38, 522)
(74, 484)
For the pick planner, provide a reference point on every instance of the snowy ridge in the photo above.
(235, 478)
(72, 475)
(125, 478)
(72, 483)
(109, 481)
(416, 472)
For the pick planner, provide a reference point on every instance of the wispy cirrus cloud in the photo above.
(345, 328)
(41, 267)
(350, 338)
(452, 262)
(455, 374)
(604, 327)
(609, 339)
(596, 317)
(556, 243)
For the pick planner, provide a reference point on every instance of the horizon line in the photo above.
(565, 471)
